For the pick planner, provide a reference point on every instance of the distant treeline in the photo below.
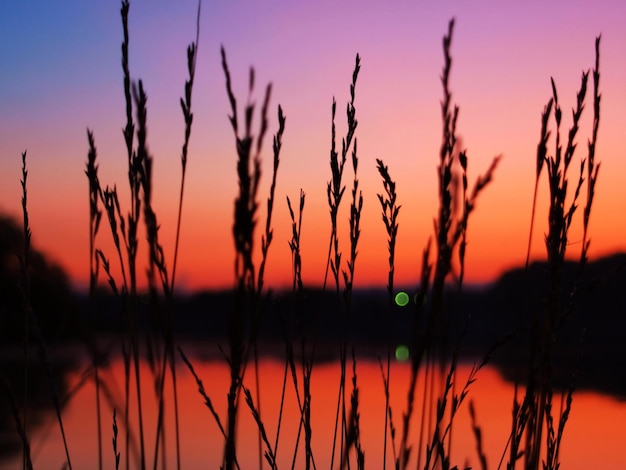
(593, 332)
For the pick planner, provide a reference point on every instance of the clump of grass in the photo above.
(124, 232)
(247, 287)
(431, 341)
(266, 240)
(536, 411)
(243, 234)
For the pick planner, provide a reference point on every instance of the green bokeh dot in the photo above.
(420, 298)
(402, 299)
(402, 353)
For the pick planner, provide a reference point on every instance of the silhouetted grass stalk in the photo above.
(335, 191)
(535, 412)
(306, 359)
(26, 300)
(168, 289)
(156, 257)
(95, 216)
(556, 242)
(266, 240)
(115, 451)
(351, 426)
(432, 343)
(131, 242)
(32, 323)
(435, 328)
(243, 233)
(294, 244)
(270, 455)
(353, 434)
(390, 211)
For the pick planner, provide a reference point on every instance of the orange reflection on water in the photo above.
(592, 439)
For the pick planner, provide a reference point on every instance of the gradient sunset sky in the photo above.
(62, 74)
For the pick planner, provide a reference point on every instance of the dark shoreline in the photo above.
(488, 315)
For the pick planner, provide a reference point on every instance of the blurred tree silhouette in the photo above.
(52, 299)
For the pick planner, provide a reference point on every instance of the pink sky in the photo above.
(63, 74)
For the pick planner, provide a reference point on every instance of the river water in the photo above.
(594, 435)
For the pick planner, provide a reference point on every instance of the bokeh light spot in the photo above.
(419, 298)
(402, 353)
(402, 299)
